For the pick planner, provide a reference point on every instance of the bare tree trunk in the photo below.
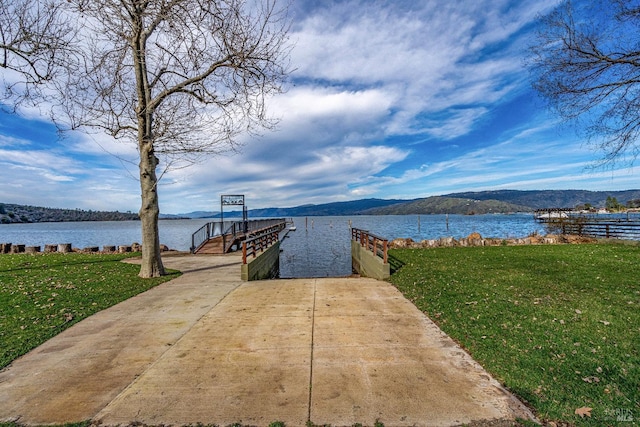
(180, 79)
(149, 211)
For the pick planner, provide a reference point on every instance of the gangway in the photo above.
(223, 237)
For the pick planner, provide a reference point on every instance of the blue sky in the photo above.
(389, 99)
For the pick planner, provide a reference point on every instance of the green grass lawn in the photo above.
(559, 325)
(43, 294)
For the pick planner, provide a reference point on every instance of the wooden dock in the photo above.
(212, 246)
(216, 245)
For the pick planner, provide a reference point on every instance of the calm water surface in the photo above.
(319, 247)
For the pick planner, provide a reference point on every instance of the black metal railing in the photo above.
(205, 233)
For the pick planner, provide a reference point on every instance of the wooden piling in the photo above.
(17, 249)
(64, 247)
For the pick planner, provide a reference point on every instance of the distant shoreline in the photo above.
(21, 214)
(469, 203)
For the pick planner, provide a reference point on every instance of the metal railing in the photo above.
(204, 233)
(377, 245)
(607, 228)
(230, 229)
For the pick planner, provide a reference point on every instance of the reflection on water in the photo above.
(320, 247)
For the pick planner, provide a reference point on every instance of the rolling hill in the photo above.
(448, 205)
(539, 199)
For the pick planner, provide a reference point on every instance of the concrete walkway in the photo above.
(209, 348)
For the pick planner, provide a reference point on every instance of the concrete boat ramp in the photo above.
(208, 348)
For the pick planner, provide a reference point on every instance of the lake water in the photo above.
(320, 246)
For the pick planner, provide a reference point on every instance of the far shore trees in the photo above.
(587, 65)
(181, 79)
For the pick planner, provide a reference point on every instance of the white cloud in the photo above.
(331, 115)
(99, 144)
(324, 175)
(531, 155)
(377, 86)
(431, 55)
(42, 160)
(8, 141)
(457, 124)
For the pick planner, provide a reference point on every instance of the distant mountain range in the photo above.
(482, 202)
(445, 205)
(540, 199)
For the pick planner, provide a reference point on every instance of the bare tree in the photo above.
(182, 79)
(587, 65)
(35, 39)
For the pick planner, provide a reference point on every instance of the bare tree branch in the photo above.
(586, 63)
(36, 38)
